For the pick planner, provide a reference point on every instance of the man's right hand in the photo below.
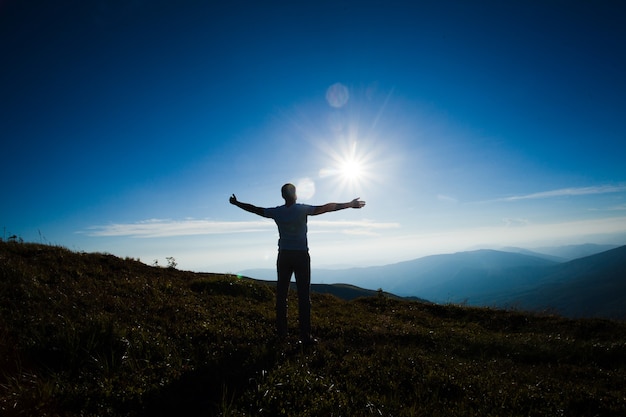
(233, 199)
(357, 203)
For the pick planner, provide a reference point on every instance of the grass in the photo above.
(95, 335)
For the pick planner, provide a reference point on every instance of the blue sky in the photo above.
(126, 126)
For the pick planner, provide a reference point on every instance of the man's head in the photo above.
(288, 192)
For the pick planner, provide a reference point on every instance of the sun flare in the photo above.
(351, 169)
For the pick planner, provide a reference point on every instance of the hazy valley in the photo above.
(590, 286)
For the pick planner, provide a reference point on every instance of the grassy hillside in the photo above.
(92, 334)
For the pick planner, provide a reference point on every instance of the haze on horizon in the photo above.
(127, 125)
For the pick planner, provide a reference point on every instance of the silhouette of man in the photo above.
(293, 253)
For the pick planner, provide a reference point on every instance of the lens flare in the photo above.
(305, 188)
(337, 95)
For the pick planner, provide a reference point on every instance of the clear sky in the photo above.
(126, 126)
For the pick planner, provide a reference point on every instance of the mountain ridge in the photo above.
(487, 277)
(586, 287)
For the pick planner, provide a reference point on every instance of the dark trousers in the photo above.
(297, 262)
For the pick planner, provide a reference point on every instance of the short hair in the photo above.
(288, 191)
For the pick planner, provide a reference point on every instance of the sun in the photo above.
(351, 169)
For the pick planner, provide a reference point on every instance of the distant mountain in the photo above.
(523, 251)
(571, 252)
(456, 277)
(439, 278)
(593, 286)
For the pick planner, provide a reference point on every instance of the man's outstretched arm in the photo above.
(356, 203)
(247, 207)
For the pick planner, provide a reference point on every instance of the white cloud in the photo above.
(602, 189)
(360, 227)
(369, 224)
(155, 228)
(515, 222)
(167, 228)
(620, 207)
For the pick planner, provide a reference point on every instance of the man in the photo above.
(293, 253)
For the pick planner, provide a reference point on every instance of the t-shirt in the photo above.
(291, 222)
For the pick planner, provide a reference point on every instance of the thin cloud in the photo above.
(370, 224)
(515, 222)
(620, 207)
(563, 192)
(359, 227)
(167, 228)
(447, 199)
(158, 228)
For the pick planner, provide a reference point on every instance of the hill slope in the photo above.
(571, 252)
(92, 334)
(594, 286)
(344, 291)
